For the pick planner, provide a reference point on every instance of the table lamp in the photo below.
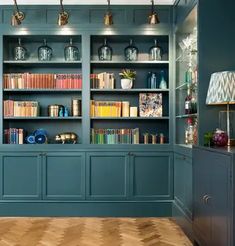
(221, 91)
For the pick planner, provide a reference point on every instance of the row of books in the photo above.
(42, 81)
(13, 136)
(106, 108)
(115, 136)
(21, 108)
(102, 81)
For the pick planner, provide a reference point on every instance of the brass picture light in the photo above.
(18, 16)
(153, 17)
(63, 16)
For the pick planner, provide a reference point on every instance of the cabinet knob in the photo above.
(206, 199)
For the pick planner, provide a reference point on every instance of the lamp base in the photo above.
(231, 142)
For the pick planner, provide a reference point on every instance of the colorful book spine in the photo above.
(42, 81)
(105, 109)
(115, 136)
(102, 81)
(21, 108)
(14, 136)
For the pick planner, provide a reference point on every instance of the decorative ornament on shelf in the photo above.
(105, 52)
(131, 52)
(63, 16)
(68, 137)
(37, 137)
(221, 91)
(108, 18)
(127, 78)
(20, 52)
(153, 17)
(220, 138)
(18, 16)
(71, 52)
(44, 52)
(155, 52)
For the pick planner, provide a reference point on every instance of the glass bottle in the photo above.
(105, 52)
(189, 132)
(189, 76)
(20, 52)
(131, 52)
(149, 80)
(188, 102)
(163, 83)
(194, 102)
(71, 52)
(153, 83)
(44, 52)
(155, 52)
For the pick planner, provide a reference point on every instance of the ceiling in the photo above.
(88, 2)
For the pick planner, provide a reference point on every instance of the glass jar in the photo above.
(105, 52)
(155, 52)
(20, 52)
(131, 52)
(44, 52)
(71, 52)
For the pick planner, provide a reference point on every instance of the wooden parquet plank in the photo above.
(91, 232)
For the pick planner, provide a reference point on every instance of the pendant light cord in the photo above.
(62, 7)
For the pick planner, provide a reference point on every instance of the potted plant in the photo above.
(127, 77)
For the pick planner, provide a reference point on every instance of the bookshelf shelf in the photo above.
(184, 86)
(122, 63)
(185, 116)
(42, 118)
(36, 63)
(130, 118)
(42, 90)
(127, 91)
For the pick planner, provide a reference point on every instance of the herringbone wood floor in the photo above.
(91, 232)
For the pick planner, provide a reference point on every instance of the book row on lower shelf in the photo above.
(39, 136)
(32, 109)
(150, 105)
(98, 136)
(42, 81)
(124, 136)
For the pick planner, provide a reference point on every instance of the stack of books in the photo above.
(13, 136)
(21, 108)
(105, 108)
(102, 81)
(42, 81)
(68, 81)
(115, 136)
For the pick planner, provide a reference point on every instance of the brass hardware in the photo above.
(153, 17)
(204, 198)
(18, 16)
(108, 18)
(63, 16)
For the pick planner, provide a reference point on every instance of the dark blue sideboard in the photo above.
(213, 199)
(91, 182)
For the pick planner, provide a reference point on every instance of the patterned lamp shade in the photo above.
(222, 88)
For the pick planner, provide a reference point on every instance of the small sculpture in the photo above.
(68, 137)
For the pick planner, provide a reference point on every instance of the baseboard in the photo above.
(182, 220)
(88, 209)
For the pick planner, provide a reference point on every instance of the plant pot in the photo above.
(126, 83)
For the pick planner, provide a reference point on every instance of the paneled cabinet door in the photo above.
(183, 183)
(20, 176)
(107, 175)
(212, 197)
(64, 176)
(151, 175)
